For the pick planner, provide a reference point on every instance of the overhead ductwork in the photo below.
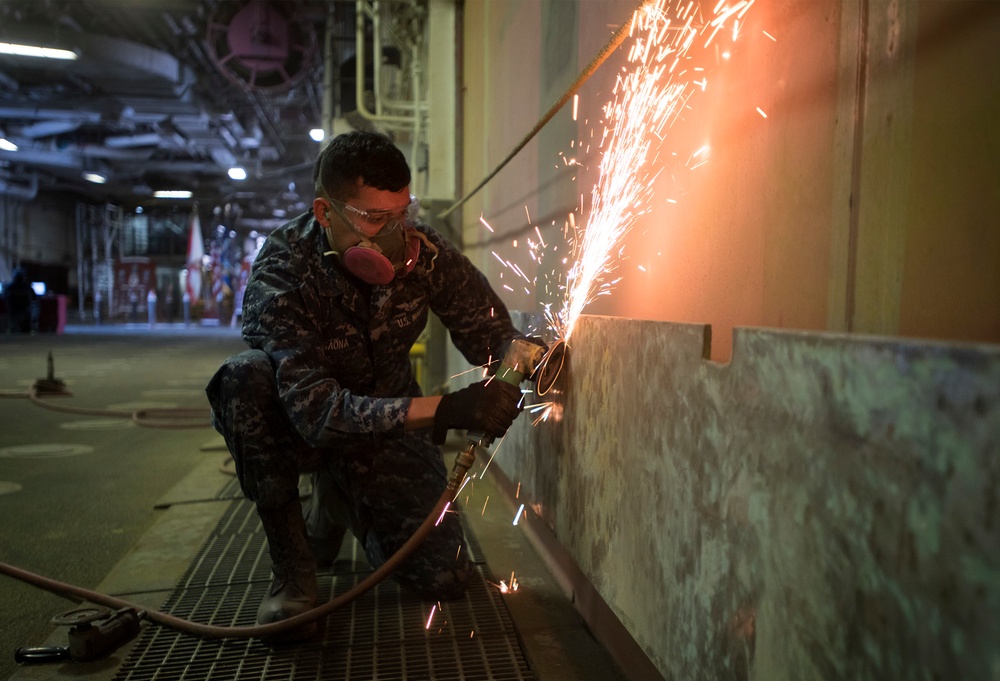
(261, 44)
(178, 91)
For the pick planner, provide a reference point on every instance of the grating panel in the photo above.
(388, 634)
(230, 491)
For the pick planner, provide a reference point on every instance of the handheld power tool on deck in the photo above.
(95, 632)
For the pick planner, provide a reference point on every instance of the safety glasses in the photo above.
(371, 222)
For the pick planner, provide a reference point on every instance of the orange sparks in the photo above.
(648, 97)
(506, 588)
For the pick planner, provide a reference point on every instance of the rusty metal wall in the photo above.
(822, 507)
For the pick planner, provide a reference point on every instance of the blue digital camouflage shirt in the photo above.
(341, 347)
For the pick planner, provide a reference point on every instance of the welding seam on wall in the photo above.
(616, 40)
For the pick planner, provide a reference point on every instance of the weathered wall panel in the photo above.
(823, 507)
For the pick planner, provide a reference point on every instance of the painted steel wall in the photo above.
(821, 507)
(867, 200)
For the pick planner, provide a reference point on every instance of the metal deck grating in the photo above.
(382, 635)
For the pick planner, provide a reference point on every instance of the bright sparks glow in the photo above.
(441, 517)
(506, 588)
(761, 112)
(650, 95)
(518, 516)
(433, 610)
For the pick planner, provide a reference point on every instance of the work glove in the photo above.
(488, 406)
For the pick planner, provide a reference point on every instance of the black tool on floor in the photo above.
(95, 632)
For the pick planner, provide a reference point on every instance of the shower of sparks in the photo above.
(649, 96)
(433, 610)
(546, 408)
(518, 516)
(441, 517)
(506, 588)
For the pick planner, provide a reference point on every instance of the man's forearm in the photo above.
(421, 412)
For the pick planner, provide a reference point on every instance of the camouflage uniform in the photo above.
(328, 382)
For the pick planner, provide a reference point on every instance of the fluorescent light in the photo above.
(237, 173)
(317, 134)
(96, 178)
(7, 145)
(36, 51)
(172, 194)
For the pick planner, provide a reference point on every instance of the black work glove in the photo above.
(488, 406)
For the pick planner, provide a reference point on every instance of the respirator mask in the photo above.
(388, 243)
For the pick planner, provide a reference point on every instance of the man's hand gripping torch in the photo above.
(524, 359)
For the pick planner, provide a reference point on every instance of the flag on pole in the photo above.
(195, 255)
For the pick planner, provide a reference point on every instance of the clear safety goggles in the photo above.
(371, 222)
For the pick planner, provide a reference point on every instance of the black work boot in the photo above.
(325, 520)
(293, 589)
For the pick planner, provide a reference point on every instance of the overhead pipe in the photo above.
(363, 8)
(327, 115)
(20, 192)
(43, 113)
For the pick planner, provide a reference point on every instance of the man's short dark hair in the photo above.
(359, 158)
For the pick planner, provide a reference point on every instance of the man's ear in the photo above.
(321, 209)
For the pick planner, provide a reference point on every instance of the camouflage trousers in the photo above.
(381, 489)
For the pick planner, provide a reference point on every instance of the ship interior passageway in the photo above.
(155, 516)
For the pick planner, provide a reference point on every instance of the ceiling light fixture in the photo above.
(317, 134)
(7, 145)
(37, 51)
(237, 173)
(96, 178)
(172, 194)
